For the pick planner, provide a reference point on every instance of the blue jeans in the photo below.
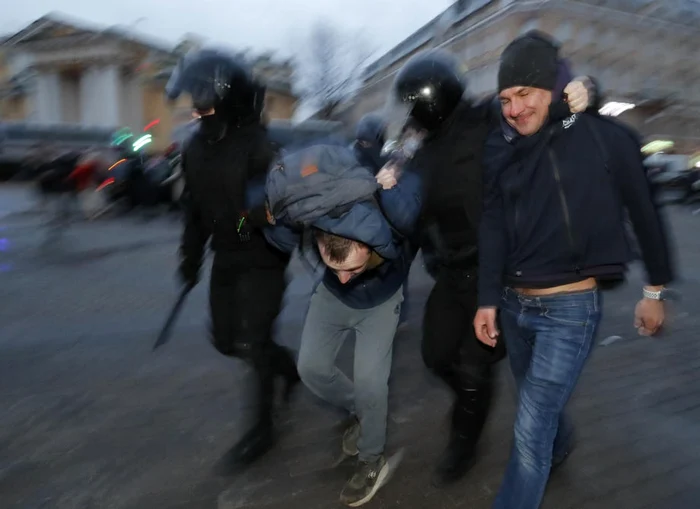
(548, 340)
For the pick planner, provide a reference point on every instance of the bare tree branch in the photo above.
(331, 68)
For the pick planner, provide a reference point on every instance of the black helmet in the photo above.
(372, 128)
(216, 79)
(430, 84)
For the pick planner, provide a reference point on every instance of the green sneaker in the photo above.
(365, 482)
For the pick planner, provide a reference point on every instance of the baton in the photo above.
(164, 335)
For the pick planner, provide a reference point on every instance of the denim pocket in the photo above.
(569, 314)
(574, 309)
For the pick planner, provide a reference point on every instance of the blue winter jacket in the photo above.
(385, 225)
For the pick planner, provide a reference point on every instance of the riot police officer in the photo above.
(222, 163)
(370, 136)
(429, 91)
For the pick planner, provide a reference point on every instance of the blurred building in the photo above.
(58, 71)
(644, 52)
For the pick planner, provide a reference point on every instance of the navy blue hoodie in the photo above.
(554, 208)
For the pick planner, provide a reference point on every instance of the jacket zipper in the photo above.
(564, 206)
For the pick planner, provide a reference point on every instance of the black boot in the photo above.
(252, 446)
(260, 437)
(468, 418)
(458, 458)
(290, 384)
(285, 367)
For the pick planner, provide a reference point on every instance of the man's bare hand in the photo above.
(268, 215)
(578, 94)
(387, 177)
(649, 316)
(485, 326)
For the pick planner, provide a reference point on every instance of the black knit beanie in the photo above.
(531, 60)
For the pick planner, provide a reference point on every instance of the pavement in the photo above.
(91, 418)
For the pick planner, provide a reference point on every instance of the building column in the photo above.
(110, 80)
(132, 103)
(47, 98)
(100, 96)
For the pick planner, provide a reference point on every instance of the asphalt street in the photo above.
(92, 419)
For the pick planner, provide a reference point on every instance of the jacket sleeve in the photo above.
(637, 197)
(282, 237)
(259, 162)
(493, 240)
(195, 234)
(402, 203)
(595, 101)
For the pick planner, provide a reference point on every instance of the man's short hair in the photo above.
(337, 248)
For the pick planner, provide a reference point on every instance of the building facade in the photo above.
(56, 71)
(644, 52)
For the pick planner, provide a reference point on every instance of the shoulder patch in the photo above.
(309, 170)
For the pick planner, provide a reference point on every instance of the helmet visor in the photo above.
(396, 114)
(207, 81)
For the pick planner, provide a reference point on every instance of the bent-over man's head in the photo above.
(526, 78)
(346, 257)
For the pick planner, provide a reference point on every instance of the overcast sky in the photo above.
(279, 25)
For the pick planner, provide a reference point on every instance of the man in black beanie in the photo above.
(551, 235)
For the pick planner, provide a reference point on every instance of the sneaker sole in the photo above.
(385, 474)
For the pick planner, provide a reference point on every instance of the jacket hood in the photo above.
(363, 222)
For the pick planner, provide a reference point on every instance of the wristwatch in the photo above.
(658, 295)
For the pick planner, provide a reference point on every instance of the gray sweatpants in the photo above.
(327, 324)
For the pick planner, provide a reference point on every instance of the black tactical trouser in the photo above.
(452, 351)
(244, 304)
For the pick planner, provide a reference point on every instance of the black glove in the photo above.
(188, 273)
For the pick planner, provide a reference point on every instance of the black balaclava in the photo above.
(239, 108)
(213, 127)
(370, 157)
(371, 132)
